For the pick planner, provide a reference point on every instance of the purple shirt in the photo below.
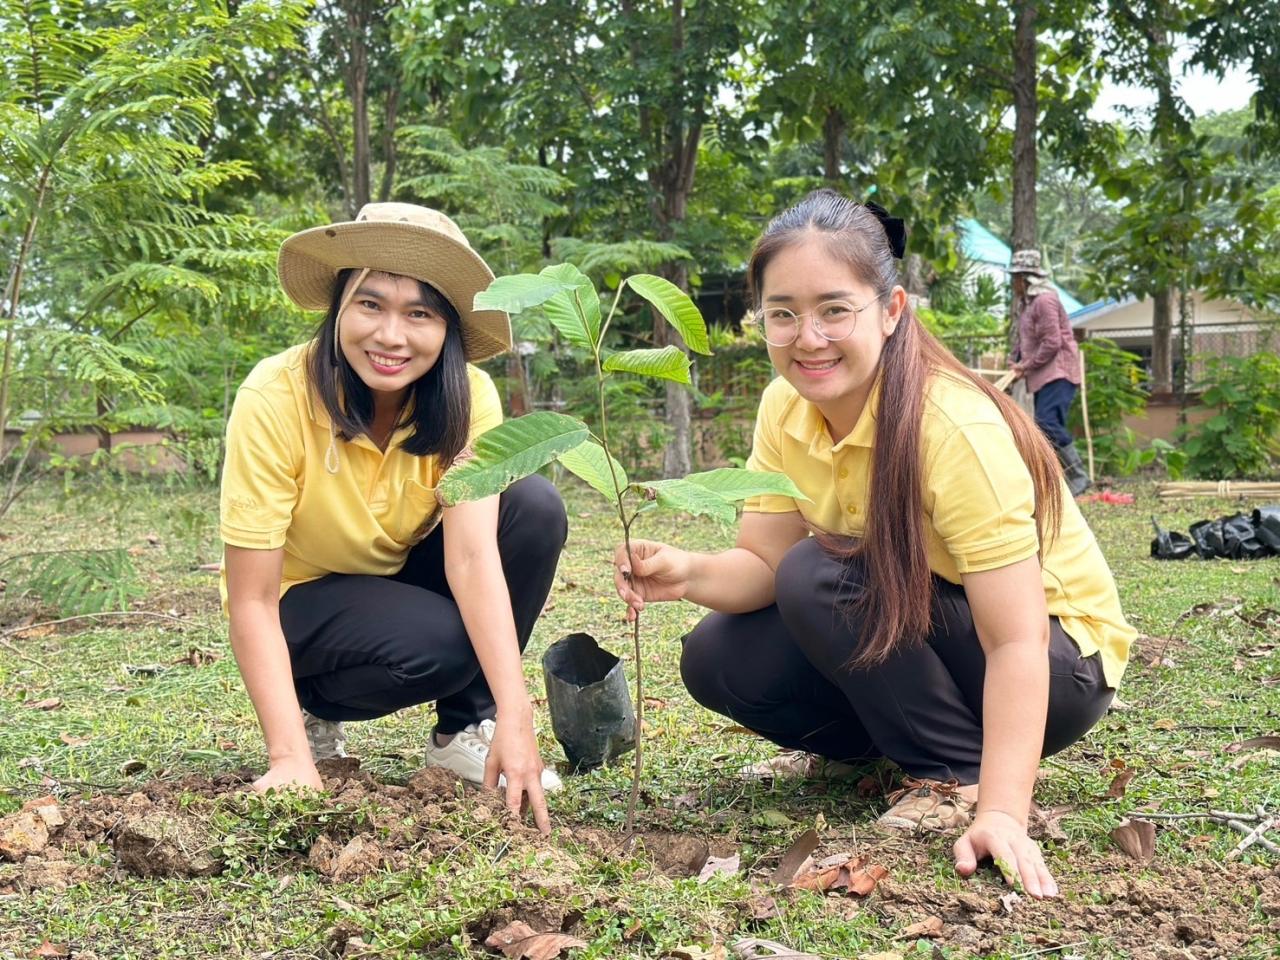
(1046, 344)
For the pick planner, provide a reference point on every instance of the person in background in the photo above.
(1049, 360)
(351, 593)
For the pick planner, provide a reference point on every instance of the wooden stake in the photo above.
(1084, 415)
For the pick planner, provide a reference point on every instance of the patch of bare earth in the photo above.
(1157, 910)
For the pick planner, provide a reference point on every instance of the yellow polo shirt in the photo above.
(978, 501)
(277, 491)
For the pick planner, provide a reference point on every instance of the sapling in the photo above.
(519, 447)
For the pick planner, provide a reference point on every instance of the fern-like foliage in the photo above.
(79, 582)
(103, 215)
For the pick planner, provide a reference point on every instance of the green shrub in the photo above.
(1242, 438)
(1113, 377)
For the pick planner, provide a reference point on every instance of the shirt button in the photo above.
(844, 474)
(851, 508)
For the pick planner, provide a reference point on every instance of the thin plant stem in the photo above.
(620, 503)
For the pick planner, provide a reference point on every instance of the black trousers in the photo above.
(1053, 403)
(783, 672)
(363, 646)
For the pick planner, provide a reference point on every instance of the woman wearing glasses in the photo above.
(952, 612)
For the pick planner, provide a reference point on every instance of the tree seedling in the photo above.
(519, 447)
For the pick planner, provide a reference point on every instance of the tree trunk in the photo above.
(358, 88)
(1025, 119)
(1024, 126)
(389, 145)
(832, 140)
(1162, 343)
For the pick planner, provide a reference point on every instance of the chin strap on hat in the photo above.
(331, 462)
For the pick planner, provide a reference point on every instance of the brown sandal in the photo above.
(927, 805)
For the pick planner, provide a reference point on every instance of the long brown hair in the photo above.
(892, 549)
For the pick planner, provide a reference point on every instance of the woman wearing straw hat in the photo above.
(351, 593)
(1049, 360)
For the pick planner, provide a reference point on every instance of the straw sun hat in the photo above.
(404, 239)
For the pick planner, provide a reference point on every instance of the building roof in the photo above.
(980, 244)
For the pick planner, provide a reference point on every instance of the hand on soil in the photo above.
(514, 754)
(999, 836)
(661, 573)
(291, 774)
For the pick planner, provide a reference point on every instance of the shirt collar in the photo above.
(807, 425)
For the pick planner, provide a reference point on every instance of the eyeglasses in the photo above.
(834, 320)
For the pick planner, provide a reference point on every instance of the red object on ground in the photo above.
(1106, 496)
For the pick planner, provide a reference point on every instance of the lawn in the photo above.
(143, 719)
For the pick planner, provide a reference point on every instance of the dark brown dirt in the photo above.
(1157, 911)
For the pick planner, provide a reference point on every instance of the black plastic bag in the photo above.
(1169, 545)
(1207, 537)
(590, 704)
(1238, 538)
(1266, 526)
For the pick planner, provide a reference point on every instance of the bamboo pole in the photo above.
(1084, 415)
(1225, 489)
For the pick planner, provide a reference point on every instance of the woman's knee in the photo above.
(705, 653)
(534, 505)
(811, 578)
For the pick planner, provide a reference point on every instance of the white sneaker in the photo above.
(326, 738)
(800, 765)
(466, 753)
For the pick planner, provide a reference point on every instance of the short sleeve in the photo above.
(766, 456)
(259, 475)
(486, 405)
(980, 498)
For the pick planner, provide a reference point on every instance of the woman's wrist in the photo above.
(986, 811)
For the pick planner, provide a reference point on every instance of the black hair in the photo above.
(437, 405)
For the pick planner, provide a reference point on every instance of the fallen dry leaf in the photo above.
(48, 949)
(655, 703)
(519, 941)
(755, 949)
(854, 875)
(51, 703)
(1137, 838)
(763, 908)
(71, 741)
(698, 953)
(883, 955)
(1009, 901)
(1271, 681)
(928, 927)
(196, 657)
(1120, 783)
(1164, 723)
(1261, 650)
(726, 866)
(795, 856)
(1253, 743)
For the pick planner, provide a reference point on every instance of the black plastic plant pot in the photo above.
(590, 704)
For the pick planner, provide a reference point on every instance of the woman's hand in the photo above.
(290, 773)
(654, 572)
(514, 754)
(1002, 838)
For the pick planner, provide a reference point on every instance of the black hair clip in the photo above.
(894, 228)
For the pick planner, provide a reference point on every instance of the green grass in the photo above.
(179, 720)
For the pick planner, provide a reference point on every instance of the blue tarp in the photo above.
(980, 244)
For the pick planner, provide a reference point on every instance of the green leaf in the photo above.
(589, 461)
(691, 498)
(674, 304)
(575, 311)
(733, 484)
(669, 363)
(518, 292)
(509, 452)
